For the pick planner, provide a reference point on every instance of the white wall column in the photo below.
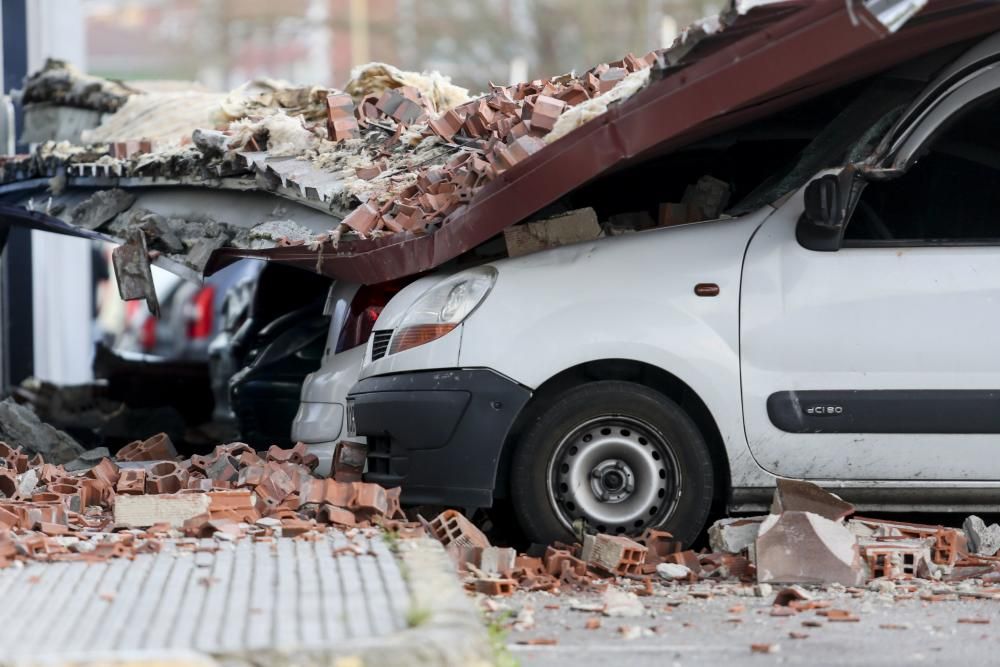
(61, 266)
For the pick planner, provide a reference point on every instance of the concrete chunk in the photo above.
(799, 496)
(101, 207)
(673, 571)
(617, 554)
(498, 560)
(573, 227)
(805, 548)
(142, 511)
(983, 540)
(734, 535)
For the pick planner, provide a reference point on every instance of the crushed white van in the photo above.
(836, 324)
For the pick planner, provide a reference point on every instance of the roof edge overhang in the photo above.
(789, 56)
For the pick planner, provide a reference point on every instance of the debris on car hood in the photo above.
(61, 83)
(401, 171)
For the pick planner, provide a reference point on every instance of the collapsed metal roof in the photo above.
(753, 60)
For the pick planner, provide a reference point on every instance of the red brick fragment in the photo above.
(295, 527)
(452, 528)
(105, 470)
(126, 149)
(617, 554)
(495, 586)
(546, 112)
(158, 447)
(448, 124)
(369, 498)
(165, 477)
(337, 516)
(132, 480)
(518, 150)
(8, 519)
(339, 494)
(8, 482)
(363, 219)
(349, 461)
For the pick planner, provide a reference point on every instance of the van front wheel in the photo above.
(616, 456)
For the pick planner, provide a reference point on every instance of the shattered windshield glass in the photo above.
(851, 136)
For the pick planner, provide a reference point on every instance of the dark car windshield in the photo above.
(851, 136)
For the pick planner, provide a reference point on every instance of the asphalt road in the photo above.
(895, 628)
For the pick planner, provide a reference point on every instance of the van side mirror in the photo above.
(822, 224)
(822, 200)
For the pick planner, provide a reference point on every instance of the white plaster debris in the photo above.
(983, 540)
(673, 570)
(622, 604)
(576, 116)
(375, 78)
(165, 118)
(525, 619)
(262, 97)
(733, 535)
(286, 135)
(266, 234)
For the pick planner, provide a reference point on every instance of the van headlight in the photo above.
(442, 308)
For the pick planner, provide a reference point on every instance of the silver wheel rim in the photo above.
(617, 473)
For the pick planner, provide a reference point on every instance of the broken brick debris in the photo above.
(573, 227)
(764, 648)
(157, 448)
(617, 554)
(495, 586)
(806, 548)
(118, 507)
(704, 200)
(431, 153)
(734, 535)
(800, 545)
(459, 536)
(801, 496)
(349, 460)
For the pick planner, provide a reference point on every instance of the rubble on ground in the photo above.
(810, 542)
(883, 563)
(20, 424)
(126, 505)
(101, 507)
(983, 540)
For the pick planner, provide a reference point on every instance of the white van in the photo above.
(839, 324)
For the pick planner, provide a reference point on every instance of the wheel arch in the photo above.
(628, 370)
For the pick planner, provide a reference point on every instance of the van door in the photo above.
(881, 360)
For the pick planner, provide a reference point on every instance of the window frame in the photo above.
(936, 119)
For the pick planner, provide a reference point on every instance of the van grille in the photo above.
(380, 343)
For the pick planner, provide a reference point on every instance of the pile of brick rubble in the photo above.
(128, 505)
(391, 149)
(807, 540)
(495, 132)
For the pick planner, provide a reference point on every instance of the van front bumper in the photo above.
(438, 434)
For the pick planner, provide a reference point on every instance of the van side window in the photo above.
(951, 195)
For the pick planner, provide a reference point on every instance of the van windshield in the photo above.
(851, 136)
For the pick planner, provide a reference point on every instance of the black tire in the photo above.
(555, 430)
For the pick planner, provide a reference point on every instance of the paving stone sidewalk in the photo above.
(282, 602)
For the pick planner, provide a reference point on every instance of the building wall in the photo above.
(61, 266)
